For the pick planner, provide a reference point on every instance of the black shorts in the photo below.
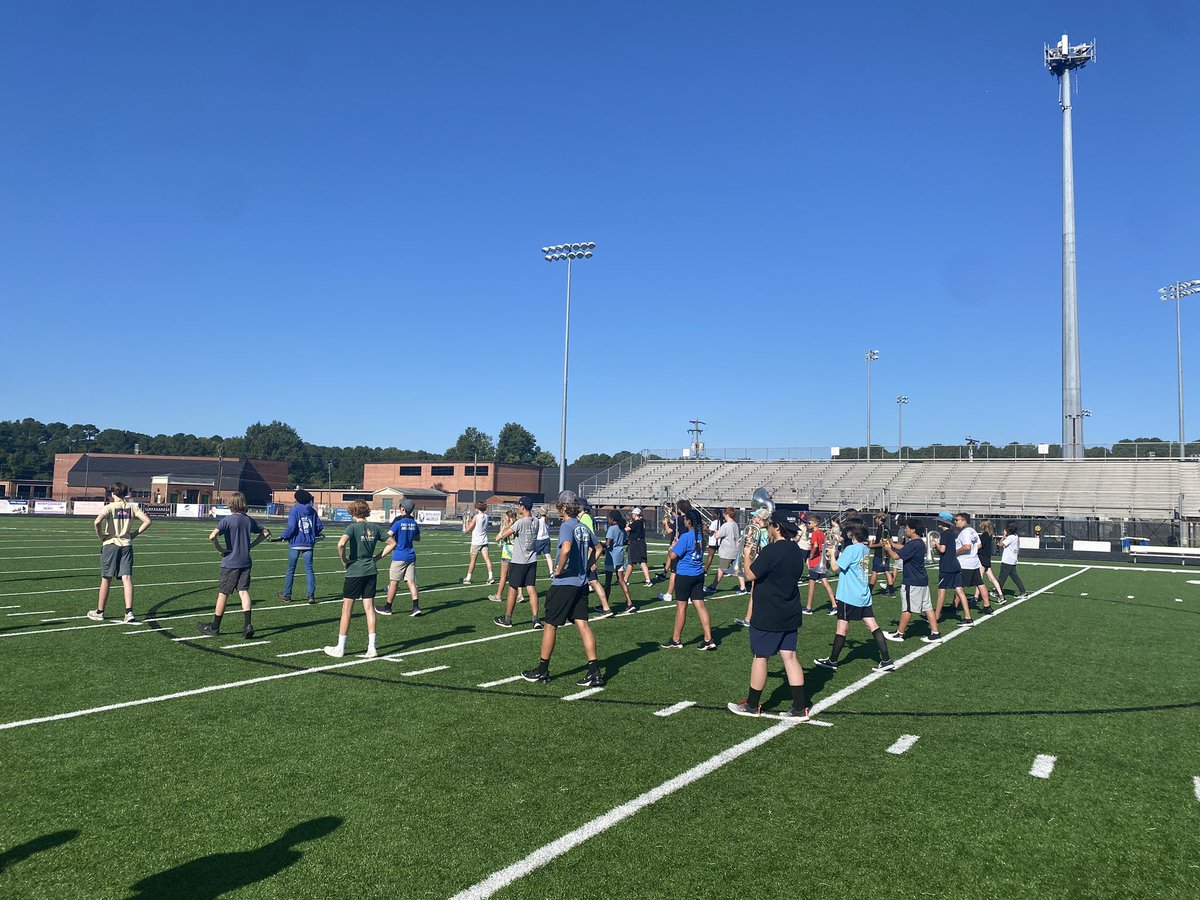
(879, 565)
(985, 562)
(689, 587)
(566, 603)
(769, 643)
(816, 574)
(848, 613)
(359, 587)
(637, 552)
(234, 580)
(522, 575)
(950, 580)
(971, 577)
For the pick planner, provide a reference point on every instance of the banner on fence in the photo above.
(14, 507)
(220, 512)
(87, 507)
(157, 510)
(188, 510)
(341, 514)
(50, 507)
(429, 517)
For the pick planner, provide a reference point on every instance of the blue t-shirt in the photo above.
(237, 529)
(615, 537)
(912, 554)
(690, 556)
(406, 532)
(575, 569)
(852, 579)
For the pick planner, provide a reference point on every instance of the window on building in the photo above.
(348, 497)
(441, 470)
(410, 470)
(476, 470)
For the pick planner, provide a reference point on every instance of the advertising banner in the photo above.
(157, 510)
(188, 510)
(87, 507)
(220, 512)
(50, 507)
(429, 517)
(341, 514)
(14, 507)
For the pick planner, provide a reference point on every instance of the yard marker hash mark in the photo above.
(299, 652)
(1042, 766)
(674, 708)
(423, 671)
(244, 644)
(33, 612)
(583, 694)
(1196, 786)
(509, 680)
(903, 744)
(198, 637)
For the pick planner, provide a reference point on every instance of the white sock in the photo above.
(667, 597)
(371, 641)
(341, 644)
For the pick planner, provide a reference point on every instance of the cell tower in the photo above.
(1061, 60)
(697, 448)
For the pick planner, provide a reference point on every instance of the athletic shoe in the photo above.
(207, 628)
(709, 589)
(603, 613)
(931, 638)
(537, 625)
(591, 681)
(385, 610)
(1023, 597)
(503, 621)
(741, 592)
(649, 584)
(1000, 601)
(95, 615)
(987, 610)
(796, 715)
(416, 611)
(741, 623)
(966, 623)
(130, 619)
(671, 645)
(826, 663)
(537, 676)
(897, 636)
(832, 612)
(371, 653)
(884, 665)
(247, 632)
(310, 599)
(467, 580)
(805, 611)
(709, 645)
(629, 610)
(495, 598)
(491, 579)
(285, 598)
(335, 651)
(742, 708)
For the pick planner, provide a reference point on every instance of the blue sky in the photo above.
(232, 194)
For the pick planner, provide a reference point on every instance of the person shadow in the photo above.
(21, 852)
(219, 873)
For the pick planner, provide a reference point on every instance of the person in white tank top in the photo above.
(477, 525)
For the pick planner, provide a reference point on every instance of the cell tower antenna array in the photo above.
(1061, 60)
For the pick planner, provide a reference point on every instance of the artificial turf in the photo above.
(360, 781)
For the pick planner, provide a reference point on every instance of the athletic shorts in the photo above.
(950, 580)
(816, 574)
(475, 548)
(985, 562)
(566, 603)
(403, 570)
(116, 561)
(689, 587)
(880, 565)
(728, 566)
(522, 575)
(593, 575)
(359, 587)
(234, 580)
(637, 552)
(971, 577)
(915, 598)
(848, 613)
(614, 560)
(541, 546)
(769, 643)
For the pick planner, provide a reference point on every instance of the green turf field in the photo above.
(136, 765)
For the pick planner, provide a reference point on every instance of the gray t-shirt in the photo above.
(727, 540)
(525, 531)
(237, 529)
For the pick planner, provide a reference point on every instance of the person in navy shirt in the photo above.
(303, 530)
(405, 532)
(687, 557)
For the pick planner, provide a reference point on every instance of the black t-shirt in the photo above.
(881, 532)
(912, 554)
(949, 561)
(985, 546)
(777, 571)
(637, 530)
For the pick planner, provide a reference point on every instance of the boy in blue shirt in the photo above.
(687, 555)
(854, 596)
(405, 532)
(235, 562)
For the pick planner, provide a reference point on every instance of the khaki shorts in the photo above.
(403, 570)
(915, 598)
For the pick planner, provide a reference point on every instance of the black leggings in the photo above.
(1007, 570)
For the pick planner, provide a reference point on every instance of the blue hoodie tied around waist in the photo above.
(303, 527)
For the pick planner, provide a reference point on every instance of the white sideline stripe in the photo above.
(903, 744)
(244, 644)
(33, 612)
(583, 694)
(14, 606)
(544, 855)
(674, 708)
(1042, 766)
(145, 631)
(91, 570)
(509, 680)
(300, 652)
(417, 672)
(1196, 786)
(198, 637)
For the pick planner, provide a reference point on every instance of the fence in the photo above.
(1119, 450)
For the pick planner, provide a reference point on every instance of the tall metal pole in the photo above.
(871, 355)
(562, 442)
(1179, 362)
(1072, 401)
(475, 480)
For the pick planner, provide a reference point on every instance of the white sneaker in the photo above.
(467, 580)
(491, 580)
(370, 654)
(335, 651)
(130, 619)
(95, 615)
(895, 636)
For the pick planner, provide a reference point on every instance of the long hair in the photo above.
(986, 527)
(617, 519)
(696, 523)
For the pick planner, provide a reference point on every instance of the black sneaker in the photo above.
(416, 611)
(207, 628)
(988, 610)
(798, 715)
(709, 645)
(603, 613)
(742, 708)
(503, 621)
(741, 623)
(966, 623)
(826, 663)
(629, 610)
(595, 680)
(537, 625)
(385, 610)
(537, 676)
(310, 599)
(884, 665)
(284, 598)
(931, 638)
(247, 632)
(672, 645)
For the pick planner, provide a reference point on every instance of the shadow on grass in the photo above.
(218, 874)
(21, 852)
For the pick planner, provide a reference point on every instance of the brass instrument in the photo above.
(760, 504)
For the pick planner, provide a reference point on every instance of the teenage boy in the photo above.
(914, 596)
(356, 547)
(405, 533)
(636, 530)
(585, 516)
(236, 528)
(303, 530)
(816, 568)
(949, 570)
(477, 525)
(113, 526)
(854, 597)
(776, 619)
(522, 568)
(966, 548)
(568, 597)
(729, 539)
(880, 565)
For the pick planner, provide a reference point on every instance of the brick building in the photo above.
(491, 482)
(167, 479)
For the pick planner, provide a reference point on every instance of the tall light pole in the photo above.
(1061, 60)
(901, 402)
(871, 356)
(569, 252)
(1177, 292)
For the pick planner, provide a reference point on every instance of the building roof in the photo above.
(414, 493)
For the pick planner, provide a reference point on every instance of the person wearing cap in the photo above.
(854, 596)
(302, 533)
(687, 554)
(636, 531)
(567, 600)
(405, 532)
(949, 568)
(776, 618)
(522, 567)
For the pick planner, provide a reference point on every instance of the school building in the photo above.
(386, 500)
(25, 489)
(167, 479)
(462, 482)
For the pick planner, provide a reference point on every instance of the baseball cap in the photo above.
(784, 524)
(568, 497)
(583, 501)
(637, 510)
(526, 502)
(407, 505)
(945, 516)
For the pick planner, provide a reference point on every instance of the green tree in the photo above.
(469, 443)
(516, 444)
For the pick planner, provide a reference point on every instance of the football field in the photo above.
(1051, 751)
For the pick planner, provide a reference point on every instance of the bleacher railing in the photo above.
(1118, 450)
(619, 469)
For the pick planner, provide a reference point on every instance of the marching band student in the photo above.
(687, 553)
(235, 562)
(802, 536)
(303, 530)
(775, 575)
(854, 597)
(987, 542)
(522, 569)
(728, 538)
(614, 558)
(713, 525)
(879, 562)
(477, 525)
(543, 538)
(1009, 555)
(116, 548)
(505, 544)
(949, 569)
(636, 530)
(966, 547)
(568, 597)
(585, 516)
(361, 537)
(816, 568)
(915, 589)
(405, 532)
(757, 537)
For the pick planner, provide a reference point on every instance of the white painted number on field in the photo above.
(674, 708)
(1042, 766)
(903, 744)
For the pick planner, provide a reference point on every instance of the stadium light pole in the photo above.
(1177, 292)
(901, 402)
(1061, 60)
(871, 356)
(569, 252)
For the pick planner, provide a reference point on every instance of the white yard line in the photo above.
(903, 744)
(14, 606)
(300, 652)
(33, 612)
(1042, 766)
(423, 671)
(509, 680)
(244, 644)
(582, 694)
(674, 708)
(146, 631)
(198, 637)
(1196, 786)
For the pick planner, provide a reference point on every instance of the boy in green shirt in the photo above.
(356, 547)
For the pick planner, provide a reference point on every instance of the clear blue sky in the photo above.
(228, 191)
